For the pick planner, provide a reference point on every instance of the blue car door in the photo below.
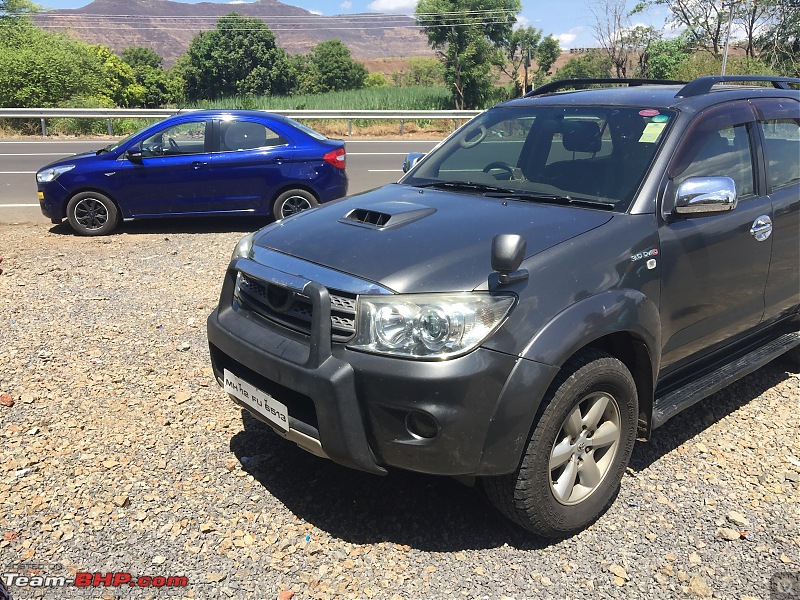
(174, 175)
(254, 161)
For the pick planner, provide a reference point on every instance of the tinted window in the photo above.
(184, 138)
(246, 135)
(782, 149)
(724, 152)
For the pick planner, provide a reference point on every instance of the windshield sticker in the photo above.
(648, 112)
(660, 119)
(651, 132)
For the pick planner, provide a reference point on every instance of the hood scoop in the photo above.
(387, 215)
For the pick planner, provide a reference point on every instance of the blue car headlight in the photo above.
(51, 173)
(428, 326)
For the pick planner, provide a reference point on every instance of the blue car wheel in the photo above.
(92, 213)
(293, 202)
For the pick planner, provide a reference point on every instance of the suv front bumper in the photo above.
(362, 407)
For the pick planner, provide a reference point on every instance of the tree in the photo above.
(594, 64)
(467, 36)
(770, 28)
(39, 68)
(778, 40)
(662, 59)
(239, 57)
(14, 9)
(119, 82)
(140, 56)
(618, 38)
(421, 71)
(524, 43)
(705, 21)
(157, 89)
(334, 68)
(376, 80)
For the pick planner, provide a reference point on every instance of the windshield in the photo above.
(593, 155)
(116, 145)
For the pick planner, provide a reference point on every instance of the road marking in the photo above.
(392, 141)
(384, 170)
(18, 205)
(52, 141)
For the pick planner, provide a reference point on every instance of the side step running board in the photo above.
(674, 402)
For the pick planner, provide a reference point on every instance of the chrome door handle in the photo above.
(762, 228)
(199, 165)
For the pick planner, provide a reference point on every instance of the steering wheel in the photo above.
(513, 172)
(499, 164)
(470, 142)
(173, 144)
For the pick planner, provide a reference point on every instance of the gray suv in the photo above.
(556, 279)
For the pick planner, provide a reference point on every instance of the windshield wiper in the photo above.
(551, 198)
(465, 185)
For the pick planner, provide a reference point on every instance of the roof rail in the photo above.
(561, 84)
(703, 85)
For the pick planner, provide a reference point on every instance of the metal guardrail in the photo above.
(147, 113)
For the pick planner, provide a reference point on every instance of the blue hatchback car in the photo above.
(203, 163)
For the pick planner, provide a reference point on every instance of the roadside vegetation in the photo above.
(477, 45)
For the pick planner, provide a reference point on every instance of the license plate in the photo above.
(259, 401)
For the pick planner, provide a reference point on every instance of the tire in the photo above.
(92, 213)
(292, 202)
(555, 492)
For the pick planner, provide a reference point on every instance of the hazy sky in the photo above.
(569, 20)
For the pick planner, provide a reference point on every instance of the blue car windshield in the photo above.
(595, 155)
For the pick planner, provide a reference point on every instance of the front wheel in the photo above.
(577, 452)
(92, 213)
(293, 202)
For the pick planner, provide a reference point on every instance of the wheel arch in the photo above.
(96, 190)
(297, 185)
(624, 324)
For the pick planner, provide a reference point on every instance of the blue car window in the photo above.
(246, 135)
(180, 139)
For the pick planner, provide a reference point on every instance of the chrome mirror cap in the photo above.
(705, 195)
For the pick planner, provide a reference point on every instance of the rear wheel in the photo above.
(578, 450)
(292, 202)
(92, 213)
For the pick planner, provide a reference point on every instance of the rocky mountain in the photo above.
(167, 27)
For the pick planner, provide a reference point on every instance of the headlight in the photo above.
(48, 175)
(430, 326)
(244, 248)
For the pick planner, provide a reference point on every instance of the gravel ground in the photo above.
(121, 454)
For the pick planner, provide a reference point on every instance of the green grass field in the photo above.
(388, 98)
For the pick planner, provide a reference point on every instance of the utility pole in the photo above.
(727, 38)
(527, 66)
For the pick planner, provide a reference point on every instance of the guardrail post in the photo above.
(44, 128)
(350, 128)
(108, 125)
(402, 126)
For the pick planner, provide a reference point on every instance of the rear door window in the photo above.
(235, 136)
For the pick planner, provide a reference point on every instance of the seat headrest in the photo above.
(582, 136)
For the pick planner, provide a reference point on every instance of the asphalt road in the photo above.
(370, 163)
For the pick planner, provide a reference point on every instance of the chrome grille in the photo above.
(294, 310)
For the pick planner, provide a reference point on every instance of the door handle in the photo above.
(278, 160)
(762, 228)
(199, 165)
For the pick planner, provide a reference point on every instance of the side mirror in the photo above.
(699, 196)
(411, 160)
(508, 252)
(134, 154)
